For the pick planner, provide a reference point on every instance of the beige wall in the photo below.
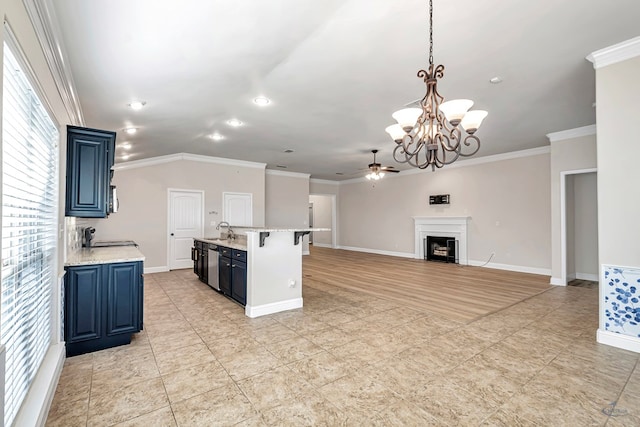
(617, 94)
(569, 154)
(142, 192)
(508, 201)
(322, 217)
(287, 197)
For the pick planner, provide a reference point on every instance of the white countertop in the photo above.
(108, 255)
(233, 244)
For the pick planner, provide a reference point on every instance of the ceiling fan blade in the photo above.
(387, 167)
(391, 170)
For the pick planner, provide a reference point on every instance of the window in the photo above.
(29, 224)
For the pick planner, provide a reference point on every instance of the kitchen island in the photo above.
(273, 266)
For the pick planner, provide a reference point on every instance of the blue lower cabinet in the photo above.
(83, 303)
(232, 269)
(103, 305)
(239, 281)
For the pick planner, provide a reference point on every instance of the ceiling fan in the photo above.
(377, 170)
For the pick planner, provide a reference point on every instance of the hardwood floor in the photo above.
(458, 292)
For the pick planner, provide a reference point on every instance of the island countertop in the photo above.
(241, 243)
(107, 255)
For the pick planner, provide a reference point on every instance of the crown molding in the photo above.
(45, 24)
(617, 53)
(323, 181)
(546, 149)
(572, 133)
(152, 161)
(287, 174)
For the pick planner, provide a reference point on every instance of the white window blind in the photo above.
(29, 208)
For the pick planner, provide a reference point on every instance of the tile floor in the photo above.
(348, 359)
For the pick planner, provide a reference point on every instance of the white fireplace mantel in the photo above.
(442, 226)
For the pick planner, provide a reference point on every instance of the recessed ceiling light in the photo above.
(281, 166)
(261, 101)
(288, 150)
(125, 146)
(137, 105)
(234, 122)
(131, 131)
(216, 136)
(495, 80)
(339, 173)
(125, 156)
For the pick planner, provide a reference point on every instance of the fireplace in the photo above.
(439, 248)
(445, 226)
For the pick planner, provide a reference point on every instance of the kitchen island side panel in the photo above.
(274, 271)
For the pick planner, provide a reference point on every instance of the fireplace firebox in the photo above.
(443, 249)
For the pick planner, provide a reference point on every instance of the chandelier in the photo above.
(437, 133)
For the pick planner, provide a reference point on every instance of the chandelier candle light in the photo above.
(436, 133)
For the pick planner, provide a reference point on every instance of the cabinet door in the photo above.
(89, 160)
(224, 268)
(123, 297)
(83, 303)
(239, 281)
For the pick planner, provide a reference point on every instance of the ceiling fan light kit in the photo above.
(436, 133)
(377, 170)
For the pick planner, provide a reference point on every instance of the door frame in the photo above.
(169, 216)
(563, 220)
(334, 217)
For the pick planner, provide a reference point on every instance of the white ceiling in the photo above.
(335, 70)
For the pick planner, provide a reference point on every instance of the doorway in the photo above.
(579, 226)
(185, 221)
(323, 214)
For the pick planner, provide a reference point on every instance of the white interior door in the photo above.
(185, 222)
(238, 209)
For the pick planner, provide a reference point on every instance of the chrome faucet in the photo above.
(223, 224)
(230, 234)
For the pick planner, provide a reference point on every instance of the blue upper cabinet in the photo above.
(90, 156)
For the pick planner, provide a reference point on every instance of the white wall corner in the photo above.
(617, 53)
(572, 133)
(614, 339)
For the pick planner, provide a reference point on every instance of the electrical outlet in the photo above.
(292, 283)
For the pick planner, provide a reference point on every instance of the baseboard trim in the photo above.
(614, 339)
(275, 307)
(556, 281)
(35, 407)
(587, 276)
(161, 269)
(322, 245)
(306, 253)
(379, 252)
(510, 267)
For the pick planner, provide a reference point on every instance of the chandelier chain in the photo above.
(430, 32)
